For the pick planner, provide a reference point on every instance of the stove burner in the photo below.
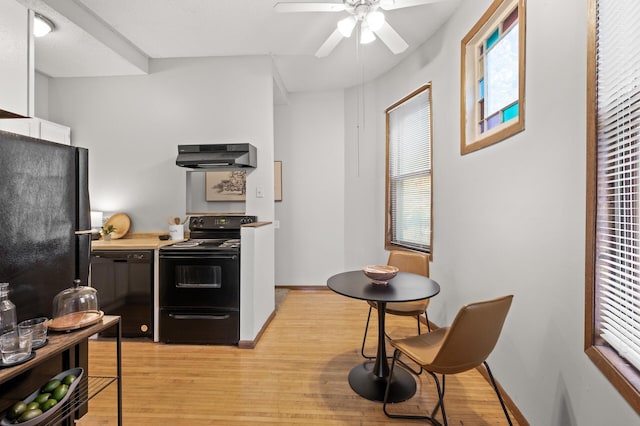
(187, 244)
(212, 233)
(234, 243)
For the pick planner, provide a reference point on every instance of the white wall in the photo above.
(508, 218)
(257, 290)
(16, 65)
(364, 179)
(310, 143)
(133, 125)
(42, 96)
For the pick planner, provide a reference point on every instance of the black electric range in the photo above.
(200, 283)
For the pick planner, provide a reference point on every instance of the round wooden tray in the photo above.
(121, 222)
(75, 320)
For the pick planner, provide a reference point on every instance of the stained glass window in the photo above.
(498, 74)
(493, 76)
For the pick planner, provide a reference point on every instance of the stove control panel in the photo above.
(219, 222)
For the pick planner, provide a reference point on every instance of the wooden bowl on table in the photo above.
(380, 274)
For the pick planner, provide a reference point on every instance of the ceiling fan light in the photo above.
(41, 25)
(366, 35)
(375, 20)
(346, 26)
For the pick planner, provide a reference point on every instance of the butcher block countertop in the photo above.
(255, 224)
(146, 240)
(134, 241)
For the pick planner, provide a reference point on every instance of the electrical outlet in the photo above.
(259, 192)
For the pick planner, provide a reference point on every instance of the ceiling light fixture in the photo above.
(366, 13)
(370, 20)
(375, 19)
(347, 25)
(42, 26)
(366, 35)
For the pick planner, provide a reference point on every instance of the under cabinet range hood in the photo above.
(217, 156)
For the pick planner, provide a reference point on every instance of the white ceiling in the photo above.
(118, 37)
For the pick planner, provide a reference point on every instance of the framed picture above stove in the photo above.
(226, 186)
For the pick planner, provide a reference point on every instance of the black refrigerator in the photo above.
(45, 221)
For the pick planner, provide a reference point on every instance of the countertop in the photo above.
(146, 240)
(256, 224)
(132, 242)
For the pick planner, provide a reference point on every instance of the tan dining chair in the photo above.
(405, 261)
(464, 345)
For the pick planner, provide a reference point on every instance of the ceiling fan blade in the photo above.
(329, 44)
(308, 7)
(399, 4)
(392, 39)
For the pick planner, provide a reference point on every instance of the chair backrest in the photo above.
(407, 261)
(472, 336)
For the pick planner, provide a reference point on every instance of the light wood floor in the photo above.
(296, 375)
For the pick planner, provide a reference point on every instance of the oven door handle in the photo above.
(199, 256)
(199, 285)
(200, 317)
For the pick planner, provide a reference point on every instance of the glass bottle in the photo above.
(8, 316)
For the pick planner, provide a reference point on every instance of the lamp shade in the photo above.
(41, 25)
(366, 35)
(375, 20)
(346, 25)
(96, 219)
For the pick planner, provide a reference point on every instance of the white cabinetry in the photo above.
(21, 126)
(54, 132)
(38, 128)
(14, 66)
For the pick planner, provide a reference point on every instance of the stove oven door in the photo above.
(199, 280)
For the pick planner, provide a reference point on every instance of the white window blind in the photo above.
(617, 271)
(409, 156)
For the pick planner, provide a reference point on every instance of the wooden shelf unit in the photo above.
(63, 351)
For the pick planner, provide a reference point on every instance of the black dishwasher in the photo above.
(124, 281)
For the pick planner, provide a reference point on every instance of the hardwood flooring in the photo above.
(296, 375)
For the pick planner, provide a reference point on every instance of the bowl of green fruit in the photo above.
(44, 402)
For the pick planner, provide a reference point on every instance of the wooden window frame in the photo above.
(624, 377)
(389, 245)
(468, 87)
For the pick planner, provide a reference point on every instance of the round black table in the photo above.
(369, 379)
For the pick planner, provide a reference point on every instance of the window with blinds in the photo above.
(613, 217)
(408, 223)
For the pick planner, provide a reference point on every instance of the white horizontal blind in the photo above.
(410, 172)
(617, 216)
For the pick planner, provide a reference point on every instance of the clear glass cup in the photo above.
(15, 346)
(39, 328)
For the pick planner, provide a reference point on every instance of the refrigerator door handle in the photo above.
(87, 231)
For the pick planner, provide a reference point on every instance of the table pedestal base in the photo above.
(369, 386)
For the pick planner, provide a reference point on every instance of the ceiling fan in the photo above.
(365, 13)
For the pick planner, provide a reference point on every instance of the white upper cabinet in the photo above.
(38, 128)
(14, 67)
(54, 132)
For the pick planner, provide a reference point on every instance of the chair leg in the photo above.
(366, 329)
(440, 398)
(426, 317)
(495, 387)
(404, 364)
(396, 356)
(364, 338)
